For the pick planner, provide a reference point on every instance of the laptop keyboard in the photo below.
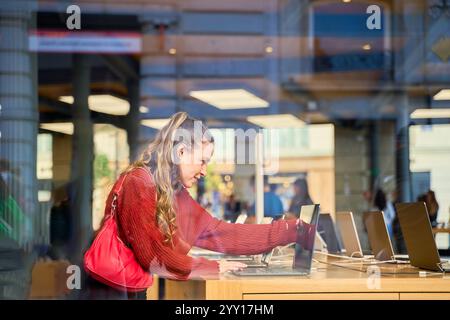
(227, 257)
(270, 271)
(255, 264)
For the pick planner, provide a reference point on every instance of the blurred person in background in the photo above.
(301, 198)
(397, 234)
(14, 260)
(391, 213)
(432, 206)
(381, 203)
(430, 201)
(12, 219)
(11, 179)
(232, 209)
(273, 207)
(379, 200)
(60, 224)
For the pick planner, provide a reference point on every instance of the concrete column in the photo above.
(259, 177)
(352, 174)
(245, 167)
(386, 155)
(19, 112)
(132, 120)
(82, 159)
(18, 142)
(243, 190)
(402, 133)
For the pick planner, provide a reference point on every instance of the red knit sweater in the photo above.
(195, 227)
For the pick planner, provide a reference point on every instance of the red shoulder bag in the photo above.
(110, 261)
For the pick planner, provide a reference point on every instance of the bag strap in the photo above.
(117, 189)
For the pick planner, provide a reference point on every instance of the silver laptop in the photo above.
(213, 255)
(379, 239)
(350, 239)
(265, 258)
(249, 260)
(302, 256)
(418, 236)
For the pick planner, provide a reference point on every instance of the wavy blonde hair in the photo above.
(159, 158)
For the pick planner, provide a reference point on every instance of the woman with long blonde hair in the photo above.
(159, 220)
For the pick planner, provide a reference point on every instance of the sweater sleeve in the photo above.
(137, 219)
(218, 235)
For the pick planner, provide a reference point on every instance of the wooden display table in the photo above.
(441, 230)
(327, 281)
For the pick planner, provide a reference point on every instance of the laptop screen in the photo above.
(378, 235)
(328, 232)
(419, 240)
(349, 234)
(304, 247)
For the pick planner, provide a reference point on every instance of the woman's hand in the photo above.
(225, 266)
(306, 234)
(290, 216)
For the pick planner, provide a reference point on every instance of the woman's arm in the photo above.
(231, 238)
(137, 219)
(246, 238)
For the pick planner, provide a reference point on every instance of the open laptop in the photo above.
(214, 255)
(249, 260)
(320, 244)
(254, 262)
(379, 239)
(418, 236)
(302, 256)
(327, 231)
(350, 239)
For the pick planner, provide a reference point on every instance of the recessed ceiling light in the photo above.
(172, 51)
(104, 103)
(269, 49)
(44, 195)
(346, 1)
(155, 123)
(444, 94)
(430, 113)
(230, 99)
(61, 127)
(276, 121)
(367, 47)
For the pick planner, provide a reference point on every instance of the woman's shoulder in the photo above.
(138, 183)
(140, 175)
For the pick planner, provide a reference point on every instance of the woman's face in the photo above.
(193, 162)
